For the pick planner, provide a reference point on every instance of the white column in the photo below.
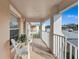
(40, 28)
(51, 33)
(70, 51)
(21, 24)
(76, 49)
(28, 33)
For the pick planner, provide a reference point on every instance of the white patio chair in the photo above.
(19, 51)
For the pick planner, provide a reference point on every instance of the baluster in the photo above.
(65, 48)
(76, 53)
(59, 47)
(56, 46)
(70, 51)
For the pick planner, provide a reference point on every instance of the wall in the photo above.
(57, 28)
(4, 30)
(58, 24)
(55, 42)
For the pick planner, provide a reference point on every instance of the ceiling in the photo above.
(40, 10)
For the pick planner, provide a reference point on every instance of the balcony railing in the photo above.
(72, 51)
(59, 46)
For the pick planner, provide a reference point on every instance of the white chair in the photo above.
(19, 51)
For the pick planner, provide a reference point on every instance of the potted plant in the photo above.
(22, 38)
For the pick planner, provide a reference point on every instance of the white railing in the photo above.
(45, 37)
(70, 51)
(58, 46)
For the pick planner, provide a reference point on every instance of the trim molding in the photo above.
(69, 7)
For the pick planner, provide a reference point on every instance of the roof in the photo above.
(40, 10)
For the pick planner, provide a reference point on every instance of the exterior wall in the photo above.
(55, 42)
(58, 24)
(57, 29)
(4, 30)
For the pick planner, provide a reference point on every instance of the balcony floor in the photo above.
(40, 50)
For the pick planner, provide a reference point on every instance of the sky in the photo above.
(70, 16)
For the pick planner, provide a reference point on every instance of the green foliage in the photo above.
(73, 26)
(36, 35)
(22, 38)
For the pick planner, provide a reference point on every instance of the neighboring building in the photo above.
(36, 29)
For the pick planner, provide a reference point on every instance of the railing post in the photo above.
(70, 51)
(40, 30)
(59, 43)
(51, 33)
(65, 49)
(60, 48)
(76, 53)
(56, 45)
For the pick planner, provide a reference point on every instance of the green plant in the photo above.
(36, 35)
(22, 38)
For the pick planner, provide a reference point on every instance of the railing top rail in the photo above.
(71, 44)
(59, 35)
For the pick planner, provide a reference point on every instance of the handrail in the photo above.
(70, 51)
(59, 43)
(59, 35)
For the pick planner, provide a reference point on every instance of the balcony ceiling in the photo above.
(40, 10)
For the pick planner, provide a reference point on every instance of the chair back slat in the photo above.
(14, 44)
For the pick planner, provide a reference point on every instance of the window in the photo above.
(14, 27)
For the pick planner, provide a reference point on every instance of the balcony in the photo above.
(49, 45)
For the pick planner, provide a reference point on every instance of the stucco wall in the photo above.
(58, 24)
(4, 30)
(57, 28)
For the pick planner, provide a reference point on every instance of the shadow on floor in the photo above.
(40, 48)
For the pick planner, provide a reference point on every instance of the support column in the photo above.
(21, 24)
(51, 33)
(40, 30)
